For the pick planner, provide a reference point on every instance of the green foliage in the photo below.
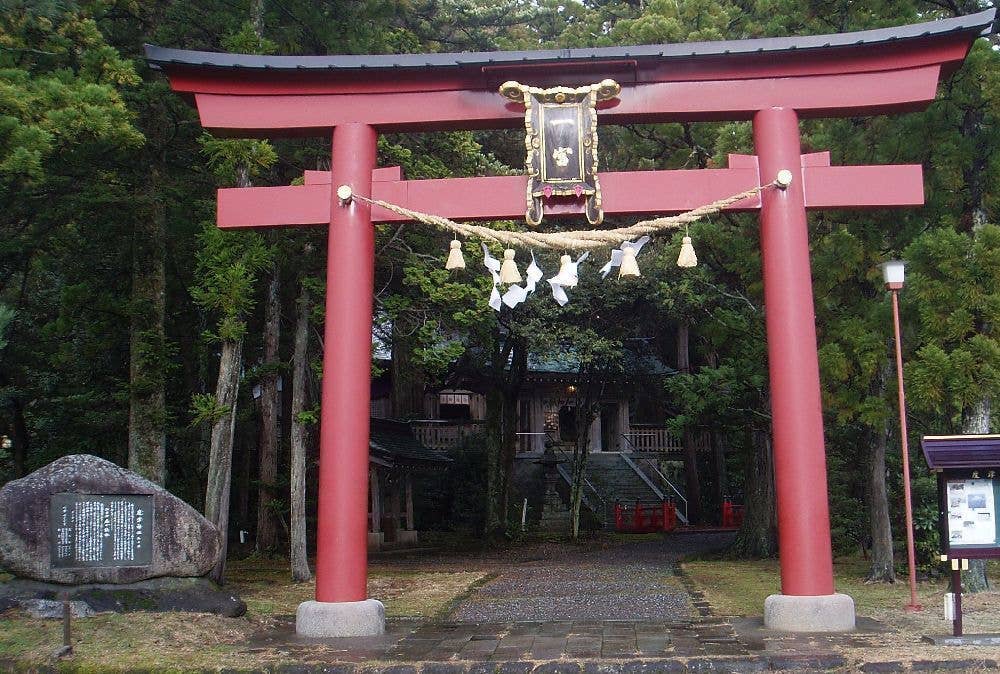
(228, 265)
(93, 143)
(672, 21)
(247, 41)
(309, 417)
(954, 280)
(453, 498)
(67, 134)
(6, 316)
(237, 160)
(59, 94)
(926, 537)
(205, 409)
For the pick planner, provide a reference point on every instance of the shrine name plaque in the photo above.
(100, 530)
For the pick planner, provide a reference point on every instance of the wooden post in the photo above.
(595, 433)
(537, 427)
(623, 424)
(395, 509)
(409, 502)
(67, 647)
(956, 588)
(376, 498)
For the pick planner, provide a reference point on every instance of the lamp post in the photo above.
(893, 274)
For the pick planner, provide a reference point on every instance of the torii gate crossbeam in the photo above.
(772, 82)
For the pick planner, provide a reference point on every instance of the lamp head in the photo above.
(893, 274)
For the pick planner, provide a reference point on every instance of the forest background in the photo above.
(133, 329)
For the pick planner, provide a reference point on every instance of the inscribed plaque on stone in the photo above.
(100, 530)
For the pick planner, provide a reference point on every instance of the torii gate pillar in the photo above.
(807, 601)
(341, 607)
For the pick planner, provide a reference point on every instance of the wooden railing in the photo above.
(660, 439)
(444, 434)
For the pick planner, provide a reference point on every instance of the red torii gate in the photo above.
(772, 82)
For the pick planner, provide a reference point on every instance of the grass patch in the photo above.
(184, 641)
(735, 587)
(407, 592)
(109, 642)
(739, 587)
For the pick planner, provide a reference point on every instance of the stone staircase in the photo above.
(616, 478)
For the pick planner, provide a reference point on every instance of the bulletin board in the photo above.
(969, 503)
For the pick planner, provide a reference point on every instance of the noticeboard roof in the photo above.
(961, 451)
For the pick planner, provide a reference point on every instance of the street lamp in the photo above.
(893, 274)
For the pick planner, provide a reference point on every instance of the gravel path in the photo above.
(630, 581)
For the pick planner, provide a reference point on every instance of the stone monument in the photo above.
(109, 538)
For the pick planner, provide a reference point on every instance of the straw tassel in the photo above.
(687, 258)
(455, 258)
(567, 272)
(508, 270)
(629, 266)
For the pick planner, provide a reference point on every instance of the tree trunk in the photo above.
(221, 453)
(495, 479)
(245, 459)
(501, 447)
(297, 496)
(407, 381)
(758, 535)
(882, 569)
(147, 441)
(270, 402)
(21, 438)
(585, 414)
(719, 463)
(976, 421)
(257, 17)
(507, 453)
(501, 427)
(692, 483)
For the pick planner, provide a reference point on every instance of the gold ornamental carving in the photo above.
(561, 144)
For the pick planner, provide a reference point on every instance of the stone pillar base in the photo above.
(407, 536)
(823, 613)
(340, 619)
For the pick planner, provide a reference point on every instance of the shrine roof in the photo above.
(979, 24)
(393, 441)
(961, 451)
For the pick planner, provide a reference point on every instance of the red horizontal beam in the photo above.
(863, 186)
(813, 96)
(273, 206)
(488, 198)
(636, 193)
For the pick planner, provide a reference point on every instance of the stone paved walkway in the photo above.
(554, 640)
(604, 609)
(634, 582)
